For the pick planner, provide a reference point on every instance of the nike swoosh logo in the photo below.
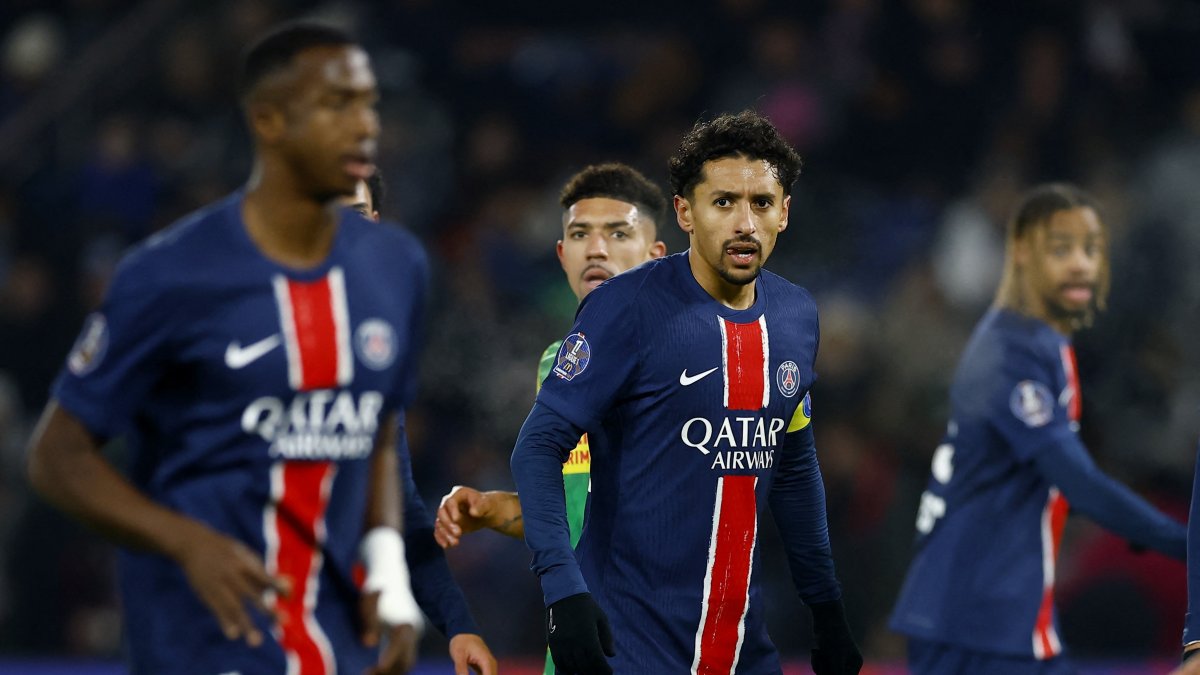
(237, 356)
(686, 379)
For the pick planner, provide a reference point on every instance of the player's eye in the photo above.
(721, 202)
(577, 235)
(763, 203)
(620, 234)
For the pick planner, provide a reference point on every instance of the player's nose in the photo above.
(744, 222)
(597, 247)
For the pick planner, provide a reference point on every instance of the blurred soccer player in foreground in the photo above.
(690, 375)
(257, 357)
(979, 597)
(610, 218)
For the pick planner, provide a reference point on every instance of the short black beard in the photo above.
(1076, 319)
(728, 276)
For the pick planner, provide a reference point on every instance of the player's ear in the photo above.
(683, 214)
(657, 250)
(558, 248)
(266, 121)
(783, 216)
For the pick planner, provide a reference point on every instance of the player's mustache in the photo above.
(744, 239)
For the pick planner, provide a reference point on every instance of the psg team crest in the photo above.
(573, 356)
(375, 342)
(787, 378)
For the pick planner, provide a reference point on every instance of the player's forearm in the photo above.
(67, 469)
(798, 505)
(385, 494)
(505, 514)
(543, 444)
(1112, 505)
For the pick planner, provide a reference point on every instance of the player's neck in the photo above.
(287, 226)
(1035, 309)
(734, 296)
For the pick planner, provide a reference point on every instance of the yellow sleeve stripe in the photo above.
(802, 417)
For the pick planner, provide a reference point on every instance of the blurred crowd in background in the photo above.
(920, 121)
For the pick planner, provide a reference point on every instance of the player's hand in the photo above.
(399, 653)
(227, 576)
(470, 653)
(1191, 663)
(835, 652)
(462, 511)
(579, 637)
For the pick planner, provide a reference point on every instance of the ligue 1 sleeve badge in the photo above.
(573, 357)
(787, 378)
(91, 346)
(1032, 403)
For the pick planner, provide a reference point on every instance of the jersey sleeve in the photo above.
(121, 351)
(1191, 624)
(406, 383)
(434, 587)
(596, 361)
(1018, 393)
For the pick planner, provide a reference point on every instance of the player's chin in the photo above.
(740, 276)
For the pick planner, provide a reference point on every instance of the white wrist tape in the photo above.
(387, 572)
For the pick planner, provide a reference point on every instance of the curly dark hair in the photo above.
(614, 180)
(746, 134)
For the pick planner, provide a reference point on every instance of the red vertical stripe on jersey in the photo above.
(299, 533)
(1071, 368)
(727, 582)
(316, 332)
(1045, 638)
(744, 365)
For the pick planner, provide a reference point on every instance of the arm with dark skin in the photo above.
(392, 500)
(384, 509)
(68, 470)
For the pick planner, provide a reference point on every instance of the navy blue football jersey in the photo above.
(251, 395)
(687, 403)
(989, 524)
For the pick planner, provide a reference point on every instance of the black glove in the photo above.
(579, 637)
(835, 652)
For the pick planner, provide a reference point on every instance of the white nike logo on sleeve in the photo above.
(237, 356)
(686, 379)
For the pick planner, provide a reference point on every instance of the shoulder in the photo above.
(627, 288)
(162, 262)
(792, 295)
(391, 245)
(1007, 343)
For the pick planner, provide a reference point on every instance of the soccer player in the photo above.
(610, 217)
(979, 597)
(434, 587)
(257, 357)
(690, 375)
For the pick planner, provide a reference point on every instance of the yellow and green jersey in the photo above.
(577, 473)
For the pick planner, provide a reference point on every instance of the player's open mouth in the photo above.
(358, 165)
(742, 253)
(594, 276)
(1077, 293)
